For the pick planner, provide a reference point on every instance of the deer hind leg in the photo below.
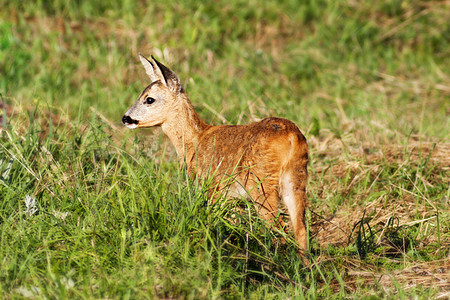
(293, 193)
(266, 198)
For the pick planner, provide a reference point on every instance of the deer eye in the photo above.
(149, 100)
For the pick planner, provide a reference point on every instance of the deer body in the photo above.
(264, 161)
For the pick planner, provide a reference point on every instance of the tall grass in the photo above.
(89, 209)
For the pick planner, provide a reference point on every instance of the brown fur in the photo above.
(265, 161)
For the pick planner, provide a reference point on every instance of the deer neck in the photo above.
(184, 128)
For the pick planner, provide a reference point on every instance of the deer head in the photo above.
(158, 100)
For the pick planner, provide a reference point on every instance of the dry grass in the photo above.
(416, 275)
(340, 165)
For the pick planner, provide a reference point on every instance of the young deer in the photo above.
(265, 160)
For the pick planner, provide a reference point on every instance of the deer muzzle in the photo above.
(129, 122)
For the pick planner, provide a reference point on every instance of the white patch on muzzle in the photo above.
(131, 126)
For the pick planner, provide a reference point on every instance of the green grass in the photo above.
(367, 82)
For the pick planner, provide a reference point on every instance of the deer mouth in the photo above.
(129, 122)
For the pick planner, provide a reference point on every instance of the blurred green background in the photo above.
(383, 64)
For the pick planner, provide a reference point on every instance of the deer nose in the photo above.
(128, 120)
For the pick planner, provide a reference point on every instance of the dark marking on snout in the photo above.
(128, 120)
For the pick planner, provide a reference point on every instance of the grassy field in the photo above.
(90, 209)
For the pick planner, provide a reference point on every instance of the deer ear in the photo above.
(152, 69)
(171, 79)
(157, 71)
